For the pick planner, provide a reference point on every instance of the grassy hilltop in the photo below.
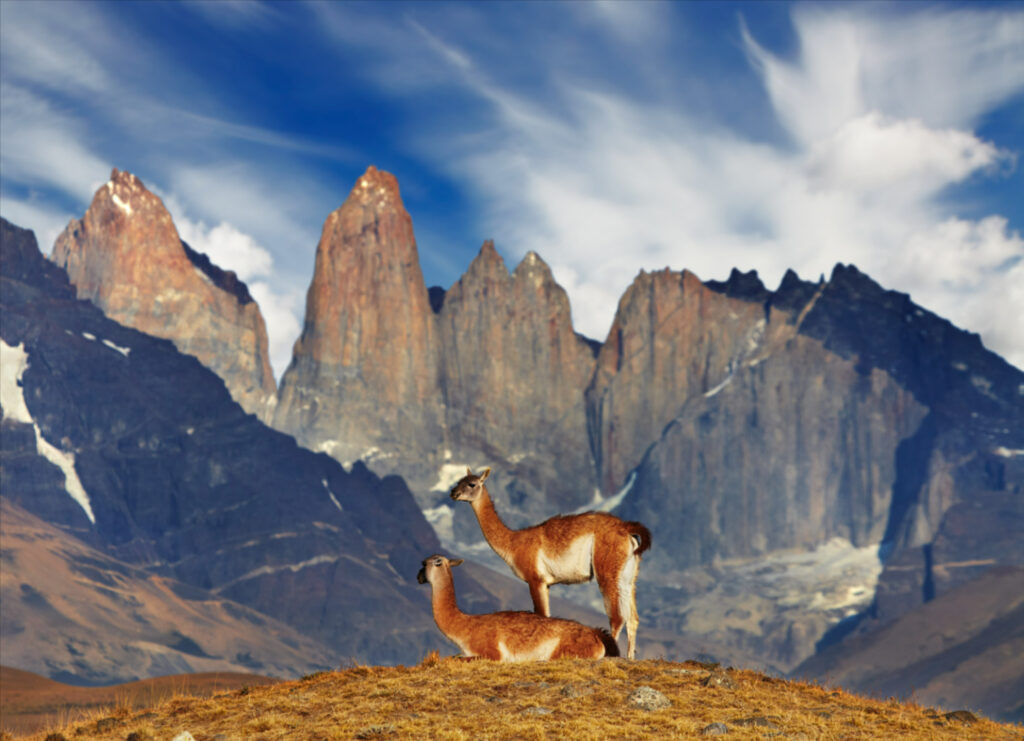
(565, 699)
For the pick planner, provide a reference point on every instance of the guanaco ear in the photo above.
(484, 474)
(469, 471)
(455, 563)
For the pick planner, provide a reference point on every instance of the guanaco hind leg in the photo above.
(616, 569)
(608, 583)
(634, 618)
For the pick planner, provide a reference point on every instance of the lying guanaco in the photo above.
(508, 636)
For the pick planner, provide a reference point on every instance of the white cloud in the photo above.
(603, 185)
(281, 312)
(280, 301)
(238, 193)
(944, 67)
(43, 147)
(872, 153)
(51, 45)
(974, 276)
(227, 247)
(232, 249)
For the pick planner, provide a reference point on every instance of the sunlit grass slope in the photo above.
(566, 699)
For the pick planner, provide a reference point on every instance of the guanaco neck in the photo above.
(449, 618)
(495, 531)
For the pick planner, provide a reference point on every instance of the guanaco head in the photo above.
(469, 487)
(432, 565)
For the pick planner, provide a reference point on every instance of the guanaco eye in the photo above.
(437, 561)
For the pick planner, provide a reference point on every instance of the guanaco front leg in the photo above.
(539, 593)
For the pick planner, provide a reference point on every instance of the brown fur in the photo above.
(523, 635)
(615, 544)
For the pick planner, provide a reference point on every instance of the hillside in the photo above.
(451, 699)
(75, 614)
(137, 450)
(31, 703)
(966, 644)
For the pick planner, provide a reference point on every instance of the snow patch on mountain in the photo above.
(330, 493)
(13, 362)
(117, 348)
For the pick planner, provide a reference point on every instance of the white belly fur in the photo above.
(571, 566)
(540, 652)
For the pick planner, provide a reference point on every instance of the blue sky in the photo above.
(607, 136)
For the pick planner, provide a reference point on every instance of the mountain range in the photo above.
(816, 462)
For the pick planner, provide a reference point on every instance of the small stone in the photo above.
(648, 698)
(714, 729)
(221, 737)
(572, 691)
(719, 679)
(184, 736)
(964, 716)
(756, 721)
(538, 711)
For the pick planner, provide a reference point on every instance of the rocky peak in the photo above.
(376, 189)
(513, 373)
(127, 193)
(672, 338)
(792, 293)
(126, 257)
(363, 378)
(741, 285)
(534, 270)
(487, 264)
(23, 262)
(226, 280)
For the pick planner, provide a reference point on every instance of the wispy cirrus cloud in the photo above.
(946, 66)
(41, 146)
(608, 137)
(880, 109)
(82, 94)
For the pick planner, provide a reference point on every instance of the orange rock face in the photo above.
(126, 257)
(363, 381)
(673, 338)
(513, 374)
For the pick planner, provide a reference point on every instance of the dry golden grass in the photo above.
(29, 702)
(566, 699)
